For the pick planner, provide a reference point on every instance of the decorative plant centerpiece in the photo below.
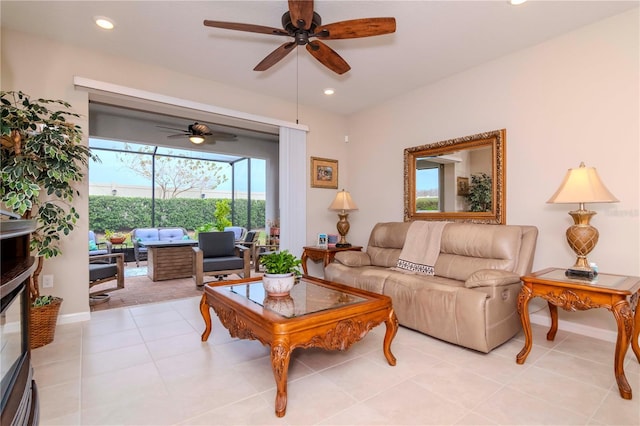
(281, 269)
(115, 237)
(42, 157)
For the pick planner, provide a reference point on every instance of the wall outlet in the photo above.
(47, 281)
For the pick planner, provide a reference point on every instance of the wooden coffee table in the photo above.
(317, 313)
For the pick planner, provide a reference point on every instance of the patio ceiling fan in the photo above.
(302, 23)
(198, 133)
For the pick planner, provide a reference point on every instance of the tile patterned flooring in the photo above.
(145, 365)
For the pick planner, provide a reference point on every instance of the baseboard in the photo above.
(71, 318)
(585, 330)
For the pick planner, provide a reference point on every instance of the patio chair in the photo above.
(96, 248)
(218, 254)
(239, 231)
(103, 269)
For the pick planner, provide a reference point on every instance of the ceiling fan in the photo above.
(302, 23)
(197, 133)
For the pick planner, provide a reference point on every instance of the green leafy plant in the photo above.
(281, 262)
(42, 158)
(207, 227)
(108, 234)
(43, 301)
(480, 193)
(222, 213)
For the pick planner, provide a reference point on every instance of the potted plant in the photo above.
(480, 193)
(42, 158)
(281, 269)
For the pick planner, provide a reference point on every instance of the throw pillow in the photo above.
(92, 246)
(491, 277)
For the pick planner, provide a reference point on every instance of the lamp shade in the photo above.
(343, 202)
(582, 185)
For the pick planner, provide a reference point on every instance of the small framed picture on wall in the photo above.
(324, 173)
(322, 240)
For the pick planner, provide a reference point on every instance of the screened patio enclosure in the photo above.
(141, 185)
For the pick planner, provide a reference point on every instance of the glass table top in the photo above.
(305, 298)
(600, 280)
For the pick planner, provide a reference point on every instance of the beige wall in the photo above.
(574, 98)
(23, 57)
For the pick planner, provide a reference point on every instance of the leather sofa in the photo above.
(471, 300)
(139, 235)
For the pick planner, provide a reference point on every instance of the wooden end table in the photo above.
(324, 254)
(316, 314)
(617, 293)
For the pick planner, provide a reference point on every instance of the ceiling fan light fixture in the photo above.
(104, 22)
(197, 139)
(516, 2)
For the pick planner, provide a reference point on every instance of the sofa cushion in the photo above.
(353, 258)
(170, 234)
(386, 242)
(222, 263)
(217, 244)
(491, 277)
(466, 248)
(146, 234)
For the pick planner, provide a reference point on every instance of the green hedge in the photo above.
(126, 213)
(427, 204)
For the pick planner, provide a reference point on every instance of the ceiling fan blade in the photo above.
(171, 128)
(275, 56)
(328, 57)
(184, 135)
(356, 28)
(301, 10)
(245, 27)
(219, 136)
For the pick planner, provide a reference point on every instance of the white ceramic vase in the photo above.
(278, 285)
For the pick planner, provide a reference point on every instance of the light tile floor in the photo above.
(145, 365)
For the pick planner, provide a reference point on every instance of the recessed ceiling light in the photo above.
(104, 22)
(329, 91)
(516, 2)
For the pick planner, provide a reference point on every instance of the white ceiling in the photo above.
(434, 39)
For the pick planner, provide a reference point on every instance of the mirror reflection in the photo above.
(460, 179)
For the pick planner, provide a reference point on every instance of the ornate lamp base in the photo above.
(582, 238)
(343, 227)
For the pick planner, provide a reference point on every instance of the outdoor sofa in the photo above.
(141, 235)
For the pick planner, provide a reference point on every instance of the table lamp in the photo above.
(582, 185)
(343, 204)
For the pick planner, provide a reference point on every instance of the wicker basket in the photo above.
(43, 320)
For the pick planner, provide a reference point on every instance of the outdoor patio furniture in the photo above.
(102, 269)
(218, 254)
(239, 231)
(139, 235)
(96, 248)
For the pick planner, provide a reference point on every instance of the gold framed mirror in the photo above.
(460, 180)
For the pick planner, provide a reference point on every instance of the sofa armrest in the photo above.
(353, 258)
(491, 278)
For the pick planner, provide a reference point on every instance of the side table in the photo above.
(324, 254)
(617, 293)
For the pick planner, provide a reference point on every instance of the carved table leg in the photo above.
(523, 310)
(636, 330)
(280, 356)
(622, 313)
(206, 316)
(392, 328)
(553, 311)
(303, 261)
